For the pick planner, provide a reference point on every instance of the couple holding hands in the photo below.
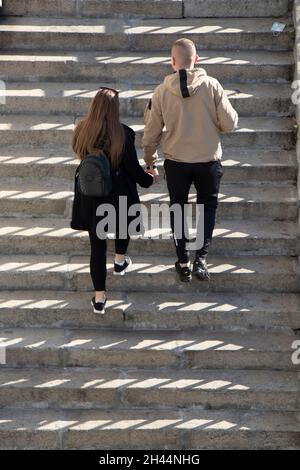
(193, 110)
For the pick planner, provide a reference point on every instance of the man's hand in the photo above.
(154, 172)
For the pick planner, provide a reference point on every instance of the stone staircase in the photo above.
(170, 366)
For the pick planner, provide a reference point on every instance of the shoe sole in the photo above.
(122, 273)
(184, 280)
(98, 312)
(202, 278)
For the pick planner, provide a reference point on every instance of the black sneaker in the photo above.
(120, 269)
(185, 273)
(99, 307)
(200, 269)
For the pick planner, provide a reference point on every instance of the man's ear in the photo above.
(196, 59)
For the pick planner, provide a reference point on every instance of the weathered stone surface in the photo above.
(54, 236)
(42, 129)
(21, 197)
(72, 273)
(240, 164)
(101, 388)
(148, 349)
(235, 8)
(94, 8)
(139, 310)
(146, 68)
(149, 429)
(199, 366)
(143, 35)
(74, 98)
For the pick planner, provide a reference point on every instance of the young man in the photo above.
(194, 110)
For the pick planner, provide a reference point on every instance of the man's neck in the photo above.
(185, 68)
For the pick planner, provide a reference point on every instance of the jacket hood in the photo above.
(185, 83)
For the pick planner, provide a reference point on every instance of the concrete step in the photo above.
(146, 68)
(148, 349)
(239, 200)
(45, 129)
(140, 310)
(235, 8)
(240, 164)
(39, 198)
(148, 429)
(107, 8)
(242, 274)
(165, 388)
(54, 236)
(54, 197)
(142, 35)
(225, 345)
(75, 98)
(147, 8)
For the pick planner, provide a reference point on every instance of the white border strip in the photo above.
(2, 355)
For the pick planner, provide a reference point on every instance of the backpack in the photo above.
(94, 176)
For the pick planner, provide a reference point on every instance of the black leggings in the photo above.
(206, 178)
(98, 259)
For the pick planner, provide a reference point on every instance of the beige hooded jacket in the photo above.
(194, 109)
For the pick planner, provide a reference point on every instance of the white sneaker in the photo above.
(120, 269)
(99, 307)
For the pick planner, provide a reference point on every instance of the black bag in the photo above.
(94, 176)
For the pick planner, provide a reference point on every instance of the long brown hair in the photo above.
(101, 128)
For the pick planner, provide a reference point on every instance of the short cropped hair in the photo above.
(187, 50)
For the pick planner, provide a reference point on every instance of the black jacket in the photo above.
(125, 181)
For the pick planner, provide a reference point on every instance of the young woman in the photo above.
(101, 130)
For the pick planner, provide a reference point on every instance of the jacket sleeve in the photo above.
(226, 114)
(133, 168)
(154, 125)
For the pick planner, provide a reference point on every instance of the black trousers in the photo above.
(98, 259)
(206, 178)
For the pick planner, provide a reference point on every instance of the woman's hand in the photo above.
(153, 172)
